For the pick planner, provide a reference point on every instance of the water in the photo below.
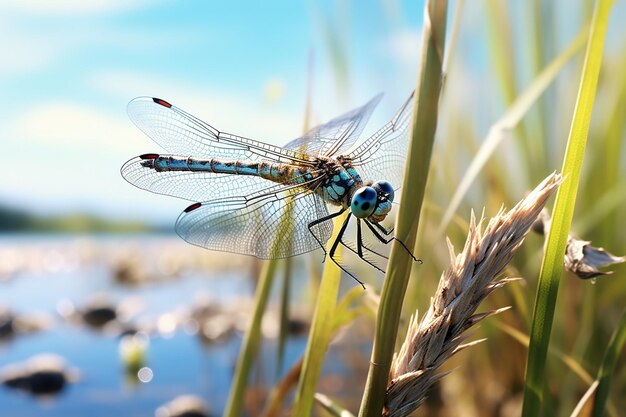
(41, 273)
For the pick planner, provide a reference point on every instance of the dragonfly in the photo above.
(254, 198)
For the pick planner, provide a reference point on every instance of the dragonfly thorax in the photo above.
(373, 202)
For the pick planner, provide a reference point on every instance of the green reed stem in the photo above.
(552, 264)
(251, 342)
(605, 373)
(320, 333)
(423, 129)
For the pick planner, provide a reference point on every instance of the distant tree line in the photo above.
(15, 220)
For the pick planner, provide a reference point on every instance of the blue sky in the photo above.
(68, 68)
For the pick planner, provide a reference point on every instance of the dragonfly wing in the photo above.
(193, 186)
(257, 225)
(383, 155)
(338, 135)
(184, 134)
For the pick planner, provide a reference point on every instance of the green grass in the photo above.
(552, 265)
(422, 138)
(523, 92)
(321, 332)
(251, 341)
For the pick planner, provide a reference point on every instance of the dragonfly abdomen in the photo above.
(277, 172)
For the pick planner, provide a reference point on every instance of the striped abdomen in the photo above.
(276, 172)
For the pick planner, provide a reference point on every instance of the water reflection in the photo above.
(41, 375)
(174, 331)
(184, 406)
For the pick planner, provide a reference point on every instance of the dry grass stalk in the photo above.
(472, 275)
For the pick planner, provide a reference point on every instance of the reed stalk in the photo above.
(251, 341)
(552, 264)
(607, 368)
(320, 333)
(252, 337)
(416, 173)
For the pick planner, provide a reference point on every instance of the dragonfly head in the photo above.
(373, 202)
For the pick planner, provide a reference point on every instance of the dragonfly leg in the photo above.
(362, 257)
(359, 239)
(361, 244)
(322, 220)
(382, 229)
(374, 251)
(386, 241)
(336, 243)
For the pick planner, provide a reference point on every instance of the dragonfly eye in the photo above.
(384, 188)
(364, 202)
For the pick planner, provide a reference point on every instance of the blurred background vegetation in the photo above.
(75, 233)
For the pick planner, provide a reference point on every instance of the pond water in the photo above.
(43, 275)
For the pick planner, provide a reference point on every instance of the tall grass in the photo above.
(321, 332)
(424, 125)
(532, 78)
(552, 265)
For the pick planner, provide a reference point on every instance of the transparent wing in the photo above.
(193, 186)
(258, 225)
(338, 135)
(184, 134)
(383, 155)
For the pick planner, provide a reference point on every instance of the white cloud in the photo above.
(404, 46)
(71, 7)
(250, 114)
(70, 124)
(23, 50)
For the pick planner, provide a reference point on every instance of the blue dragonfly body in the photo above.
(242, 189)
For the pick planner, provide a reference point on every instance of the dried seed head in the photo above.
(472, 275)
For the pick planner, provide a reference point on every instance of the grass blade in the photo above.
(507, 122)
(252, 338)
(552, 264)
(284, 315)
(332, 407)
(342, 315)
(605, 373)
(320, 333)
(250, 343)
(281, 390)
(583, 401)
(416, 173)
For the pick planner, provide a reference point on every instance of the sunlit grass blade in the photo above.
(501, 39)
(424, 125)
(343, 315)
(454, 35)
(321, 331)
(605, 373)
(569, 361)
(252, 337)
(508, 121)
(552, 264)
(332, 407)
(281, 390)
(251, 341)
(584, 399)
(283, 331)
